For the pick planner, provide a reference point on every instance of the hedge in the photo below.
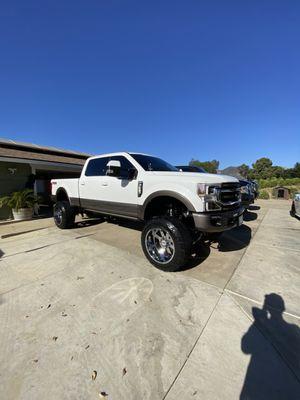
(273, 182)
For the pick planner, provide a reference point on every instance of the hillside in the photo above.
(232, 171)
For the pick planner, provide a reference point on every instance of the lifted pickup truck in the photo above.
(176, 206)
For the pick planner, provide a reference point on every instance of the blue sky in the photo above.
(179, 79)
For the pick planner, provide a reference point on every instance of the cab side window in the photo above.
(97, 167)
(126, 165)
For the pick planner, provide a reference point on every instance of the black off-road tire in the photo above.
(182, 240)
(64, 215)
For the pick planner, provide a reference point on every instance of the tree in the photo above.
(244, 170)
(262, 168)
(297, 170)
(209, 166)
(278, 171)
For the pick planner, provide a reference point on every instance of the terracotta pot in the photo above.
(22, 214)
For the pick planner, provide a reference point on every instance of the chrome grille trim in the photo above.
(228, 195)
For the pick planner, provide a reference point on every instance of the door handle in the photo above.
(104, 184)
(82, 183)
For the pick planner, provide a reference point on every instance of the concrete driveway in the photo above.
(83, 315)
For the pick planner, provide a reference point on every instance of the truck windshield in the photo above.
(150, 163)
(190, 168)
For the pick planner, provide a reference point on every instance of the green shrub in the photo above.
(264, 195)
(16, 200)
(272, 182)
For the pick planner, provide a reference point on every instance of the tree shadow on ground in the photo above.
(271, 342)
(235, 239)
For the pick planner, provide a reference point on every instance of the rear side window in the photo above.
(97, 167)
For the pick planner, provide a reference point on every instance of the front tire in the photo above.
(166, 243)
(64, 215)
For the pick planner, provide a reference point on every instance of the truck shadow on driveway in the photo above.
(254, 208)
(236, 239)
(88, 222)
(250, 216)
(233, 240)
(200, 252)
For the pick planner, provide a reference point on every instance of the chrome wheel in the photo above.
(58, 215)
(160, 245)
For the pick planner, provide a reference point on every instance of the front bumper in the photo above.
(218, 221)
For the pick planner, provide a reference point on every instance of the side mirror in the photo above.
(132, 173)
(113, 168)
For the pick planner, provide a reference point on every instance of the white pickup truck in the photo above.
(176, 206)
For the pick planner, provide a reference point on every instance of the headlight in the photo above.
(201, 189)
(208, 192)
(244, 189)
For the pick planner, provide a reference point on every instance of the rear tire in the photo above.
(166, 243)
(64, 215)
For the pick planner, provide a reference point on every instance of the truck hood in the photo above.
(196, 177)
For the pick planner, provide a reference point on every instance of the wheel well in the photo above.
(164, 205)
(61, 195)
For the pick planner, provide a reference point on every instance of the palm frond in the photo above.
(21, 199)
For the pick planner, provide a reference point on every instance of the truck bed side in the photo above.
(65, 186)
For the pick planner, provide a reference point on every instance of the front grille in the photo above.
(227, 196)
(229, 192)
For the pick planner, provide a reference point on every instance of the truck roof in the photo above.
(119, 153)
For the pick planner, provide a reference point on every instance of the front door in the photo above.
(120, 195)
(108, 194)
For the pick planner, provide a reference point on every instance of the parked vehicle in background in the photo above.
(177, 207)
(255, 189)
(247, 194)
(295, 209)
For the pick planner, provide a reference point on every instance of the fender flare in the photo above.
(165, 193)
(61, 190)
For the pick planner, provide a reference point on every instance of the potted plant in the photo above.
(21, 203)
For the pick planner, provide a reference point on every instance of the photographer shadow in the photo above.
(266, 378)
